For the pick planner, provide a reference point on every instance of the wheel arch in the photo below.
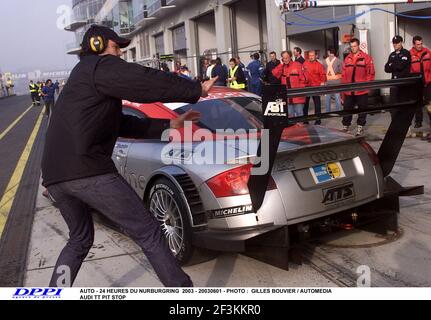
(188, 191)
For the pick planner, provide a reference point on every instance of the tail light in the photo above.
(234, 182)
(373, 156)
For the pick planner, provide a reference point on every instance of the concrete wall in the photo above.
(382, 30)
(309, 41)
(249, 32)
(206, 31)
(409, 28)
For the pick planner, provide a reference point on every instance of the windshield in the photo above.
(229, 113)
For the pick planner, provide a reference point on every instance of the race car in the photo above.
(196, 185)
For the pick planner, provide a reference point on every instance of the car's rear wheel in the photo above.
(167, 205)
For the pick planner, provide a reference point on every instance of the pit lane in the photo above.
(115, 260)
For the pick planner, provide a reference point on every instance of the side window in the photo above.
(132, 112)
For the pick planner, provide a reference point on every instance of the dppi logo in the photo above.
(37, 293)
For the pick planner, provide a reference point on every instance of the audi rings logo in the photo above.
(323, 156)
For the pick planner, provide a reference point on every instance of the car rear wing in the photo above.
(276, 119)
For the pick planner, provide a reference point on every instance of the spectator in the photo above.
(48, 93)
(333, 69)
(398, 65)
(269, 77)
(357, 67)
(57, 87)
(244, 71)
(219, 71)
(421, 63)
(291, 74)
(297, 51)
(315, 76)
(210, 69)
(236, 78)
(256, 71)
(185, 73)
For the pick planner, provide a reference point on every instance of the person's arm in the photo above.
(388, 65)
(344, 73)
(371, 72)
(117, 78)
(404, 63)
(322, 75)
(278, 71)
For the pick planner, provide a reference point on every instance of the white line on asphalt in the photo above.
(13, 124)
(12, 187)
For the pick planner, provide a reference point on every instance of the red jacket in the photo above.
(291, 75)
(314, 73)
(358, 68)
(421, 63)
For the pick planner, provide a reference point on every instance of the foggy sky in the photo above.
(29, 36)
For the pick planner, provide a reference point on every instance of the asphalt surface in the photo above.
(116, 261)
(33, 233)
(22, 130)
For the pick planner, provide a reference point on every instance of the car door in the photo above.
(122, 146)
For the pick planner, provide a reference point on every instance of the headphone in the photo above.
(97, 44)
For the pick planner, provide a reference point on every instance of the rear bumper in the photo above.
(230, 240)
(283, 236)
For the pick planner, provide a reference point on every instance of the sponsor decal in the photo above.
(164, 187)
(276, 108)
(233, 211)
(327, 172)
(37, 293)
(337, 194)
(179, 154)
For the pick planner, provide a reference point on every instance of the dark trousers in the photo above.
(113, 197)
(49, 104)
(419, 116)
(350, 101)
(317, 106)
(399, 95)
(34, 96)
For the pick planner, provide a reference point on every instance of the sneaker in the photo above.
(425, 137)
(346, 129)
(359, 131)
(45, 194)
(409, 133)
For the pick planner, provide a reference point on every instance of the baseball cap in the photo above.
(397, 39)
(105, 32)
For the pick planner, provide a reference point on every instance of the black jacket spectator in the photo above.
(269, 77)
(219, 71)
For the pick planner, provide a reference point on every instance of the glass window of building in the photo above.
(159, 43)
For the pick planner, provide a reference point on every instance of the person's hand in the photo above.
(190, 115)
(207, 85)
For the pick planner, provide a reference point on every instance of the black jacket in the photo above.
(269, 77)
(87, 118)
(220, 71)
(399, 64)
(301, 59)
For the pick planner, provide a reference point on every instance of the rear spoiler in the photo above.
(276, 119)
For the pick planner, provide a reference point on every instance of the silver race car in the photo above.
(196, 185)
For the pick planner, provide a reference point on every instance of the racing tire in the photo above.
(170, 209)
